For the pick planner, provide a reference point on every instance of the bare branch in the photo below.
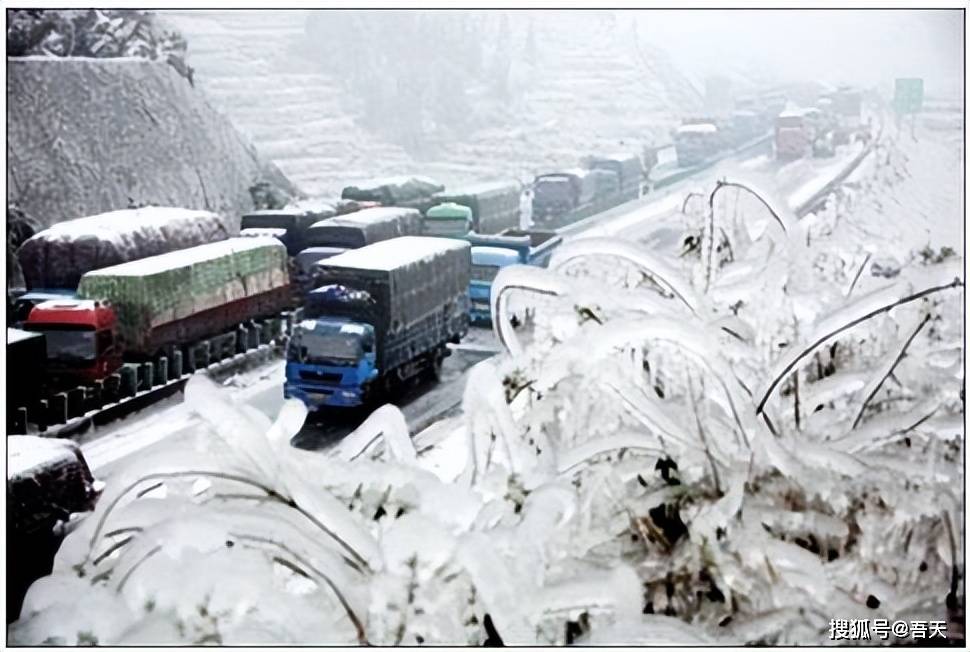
(896, 361)
(855, 322)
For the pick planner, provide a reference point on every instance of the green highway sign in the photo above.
(909, 95)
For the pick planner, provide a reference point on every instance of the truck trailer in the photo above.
(382, 314)
(173, 299)
(404, 191)
(54, 260)
(491, 253)
(332, 237)
(288, 225)
(494, 204)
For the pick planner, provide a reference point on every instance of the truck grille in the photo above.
(320, 377)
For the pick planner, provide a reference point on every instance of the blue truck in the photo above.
(490, 253)
(380, 315)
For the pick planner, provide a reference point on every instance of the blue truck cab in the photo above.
(329, 361)
(490, 253)
(486, 263)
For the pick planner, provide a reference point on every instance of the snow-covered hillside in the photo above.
(592, 85)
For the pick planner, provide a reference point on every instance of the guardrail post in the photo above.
(252, 334)
(161, 370)
(230, 342)
(96, 398)
(75, 402)
(146, 374)
(58, 408)
(175, 370)
(200, 355)
(40, 414)
(242, 338)
(129, 382)
(112, 388)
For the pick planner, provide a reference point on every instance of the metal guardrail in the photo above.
(137, 385)
(819, 197)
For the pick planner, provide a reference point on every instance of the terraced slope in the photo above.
(590, 88)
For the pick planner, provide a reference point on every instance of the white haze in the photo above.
(868, 47)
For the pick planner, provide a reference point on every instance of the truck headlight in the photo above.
(347, 394)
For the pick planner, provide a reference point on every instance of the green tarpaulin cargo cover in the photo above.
(160, 290)
(393, 191)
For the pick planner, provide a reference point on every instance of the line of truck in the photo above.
(133, 299)
(166, 315)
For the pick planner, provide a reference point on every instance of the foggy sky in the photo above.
(868, 47)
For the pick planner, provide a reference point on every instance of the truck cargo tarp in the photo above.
(57, 257)
(393, 190)
(410, 279)
(364, 227)
(162, 289)
(294, 220)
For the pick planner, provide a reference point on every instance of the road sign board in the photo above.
(909, 95)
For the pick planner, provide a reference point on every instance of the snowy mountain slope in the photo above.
(87, 134)
(589, 88)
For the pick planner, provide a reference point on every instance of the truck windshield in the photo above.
(71, 345)
(553, 188)
(311, 347)
(269, 221)
(790, 123)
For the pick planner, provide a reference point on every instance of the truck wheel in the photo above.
(435, 368)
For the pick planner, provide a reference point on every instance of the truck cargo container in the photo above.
(449, 220)
(334, 236)
(55, 259)
(491, 253)
(180, 297)
(288, 225)
(406, 191)
(382, 314)
(494, 204)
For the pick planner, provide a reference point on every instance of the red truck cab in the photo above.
(81, 338)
